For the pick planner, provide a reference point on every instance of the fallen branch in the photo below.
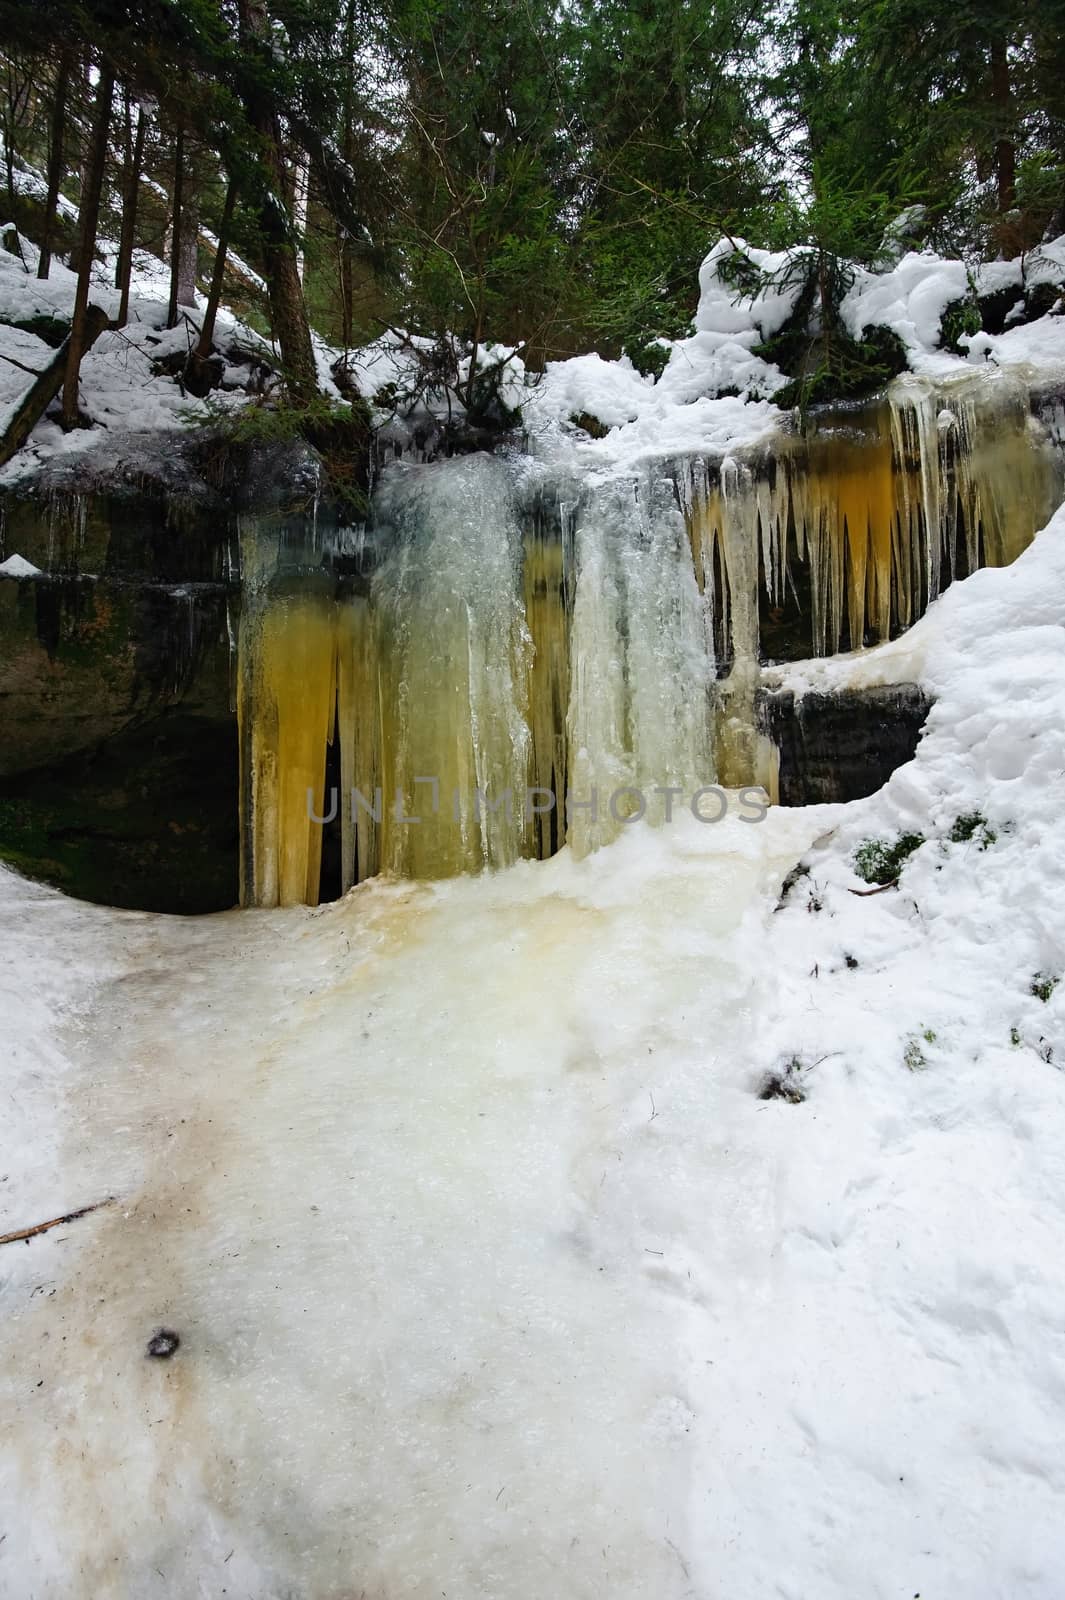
(878, 890)
(55, 1222)
(31, 408)
(31, 372)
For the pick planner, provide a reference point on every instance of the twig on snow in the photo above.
(54, 1222)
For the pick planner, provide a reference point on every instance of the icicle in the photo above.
(668, 671)
(454, 655)
(358, 721)
(740, 517)
(638, 720)
(599, 762)
(286, 707)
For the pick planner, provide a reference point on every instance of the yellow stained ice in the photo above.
(286, 706)
(875, 502)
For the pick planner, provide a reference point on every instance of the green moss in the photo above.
(972, 825)
(879, 861)
(960, 317)
(53, 330)
(839, 368)
(1043, 986)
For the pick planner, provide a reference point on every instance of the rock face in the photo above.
(841, 746)
(145, 820)
(86, 659)
(119, 757)
(118, 765)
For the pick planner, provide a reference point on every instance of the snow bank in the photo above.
(905, 1361)
(1036, 349)
(713, 393)
(612, 392)
(724, 310)
(912, 297)
(691, 407)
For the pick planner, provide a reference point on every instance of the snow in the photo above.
(1036, 349)
(611, 391)
(685, 409)
(493, 1272)
(31, 354)
(911, 299)
(693, 406)
(17, 566)
(393, 362)
(723, 310)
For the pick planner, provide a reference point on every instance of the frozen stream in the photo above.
(430, 1183)
(495, 1277)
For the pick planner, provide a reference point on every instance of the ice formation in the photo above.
(532, 657)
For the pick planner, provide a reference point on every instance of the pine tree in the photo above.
(482, 163)
(93, 178)
(672, 145)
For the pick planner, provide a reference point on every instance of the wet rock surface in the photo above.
(118, 760)
(841, 746)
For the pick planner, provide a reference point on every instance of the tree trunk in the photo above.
(88, 218)
(288, 310)
(348, 148)
(288, 315)
(188, 256)
(198, 378)
(206, 340)
(84, 97)
(127, 163)
(344, 247)
(130, 197)
(301, 191)
(48, 383)
(177, 222)
(9, 136)
(1005, 147)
